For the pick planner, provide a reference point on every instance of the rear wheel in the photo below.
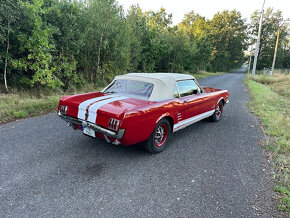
(159, 137)
(218, 112)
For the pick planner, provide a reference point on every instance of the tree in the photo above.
(198, 29)
(36, 44)
(66, 20)
(65, 43)
(9, 15)
(158, 20)
(228, 38)
(157, 44)
(268, 38)
(137, 33)
(106, 40)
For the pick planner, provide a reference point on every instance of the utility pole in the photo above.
(275, 52)
(258, 42)
(249, 68)
(276, 46)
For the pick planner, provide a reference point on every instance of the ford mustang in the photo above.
(143, 107)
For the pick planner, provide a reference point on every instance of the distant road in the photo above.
(208, 170)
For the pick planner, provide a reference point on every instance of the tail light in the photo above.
(114, 124)
(63, 109)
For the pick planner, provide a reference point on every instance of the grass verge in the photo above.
(16, 106)
(23, 104)
(270, 101)
(20, 104)
(203, 74)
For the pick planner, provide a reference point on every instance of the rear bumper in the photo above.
(71, 120)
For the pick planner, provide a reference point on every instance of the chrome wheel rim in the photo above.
(218, 111)
(160, 135)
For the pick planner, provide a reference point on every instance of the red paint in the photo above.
(139, 117)
(73, 101)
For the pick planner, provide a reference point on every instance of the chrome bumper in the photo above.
(96, 128)
(227, 101)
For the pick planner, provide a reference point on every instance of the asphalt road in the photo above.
(208, 170)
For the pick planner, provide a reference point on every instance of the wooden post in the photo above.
(275, 52)
(277, 42)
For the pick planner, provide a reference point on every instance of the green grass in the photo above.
(272, 106)
(16, 106)
(20, 104)
(203, 74)
(280, 83)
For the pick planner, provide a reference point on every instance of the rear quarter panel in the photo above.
(217, 95)
(140, 122)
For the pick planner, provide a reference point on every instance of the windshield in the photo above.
(131, 87)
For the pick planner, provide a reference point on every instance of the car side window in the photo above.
(199, 87)
(187, 87)
(176, 93)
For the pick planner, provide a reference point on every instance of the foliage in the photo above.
(220, 41)
(65, 19)
(227, 34)
(9, 15)
(137, 30)
(268, 39)
(36, 45)
(106, 41)
(196, 28)
(61, 44)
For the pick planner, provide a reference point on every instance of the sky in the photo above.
(208, 8)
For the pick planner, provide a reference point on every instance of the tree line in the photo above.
(68, 43)
(271, 21)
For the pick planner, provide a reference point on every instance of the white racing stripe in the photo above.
(94, 108)
(83, 106)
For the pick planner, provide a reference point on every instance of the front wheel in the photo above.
(159, 137)
(218, 112)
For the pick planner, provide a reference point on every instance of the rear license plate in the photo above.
(88, 131)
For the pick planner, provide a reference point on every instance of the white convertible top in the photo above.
(164, 83)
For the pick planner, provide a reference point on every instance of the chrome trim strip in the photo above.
(222, 98)
(177, 89)
(116, 135)
(182, 124)
(107, 139)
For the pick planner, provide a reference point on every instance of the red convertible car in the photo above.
(143, 107)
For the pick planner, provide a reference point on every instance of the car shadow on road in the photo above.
(96, 145)
(99, 145)
(94, 157)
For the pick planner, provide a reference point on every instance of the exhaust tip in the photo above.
(116, 142)
(72, 125)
